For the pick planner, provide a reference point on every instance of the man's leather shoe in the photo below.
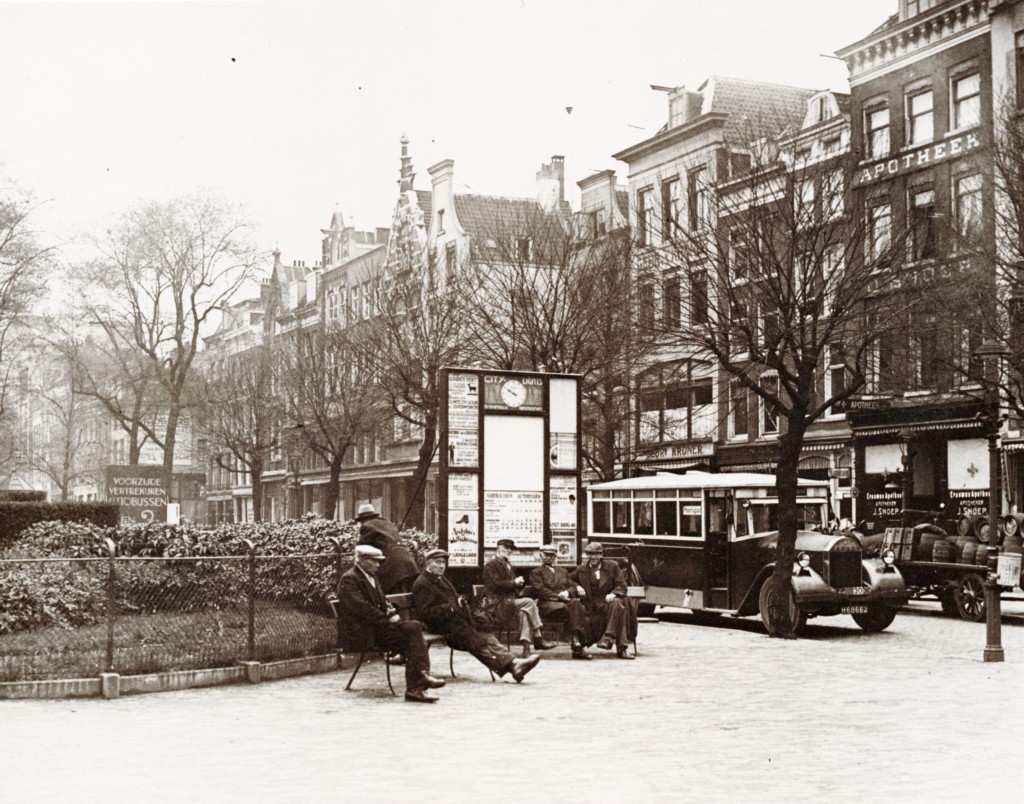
(520, 667)
(420, 696)
(579, 653)
(432, 682)
(540, 644)
(605, 644)
(623, 653)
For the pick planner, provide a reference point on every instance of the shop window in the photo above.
(965, 96)
(920, 117)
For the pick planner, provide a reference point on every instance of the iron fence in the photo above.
(76, 618)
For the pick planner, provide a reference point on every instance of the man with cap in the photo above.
(367, 621)
(558, 599)
(440, 607)
(399, 569)
(604, 597)
(502, 584)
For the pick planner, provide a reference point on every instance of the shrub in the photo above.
(21, 495)
(17, 516)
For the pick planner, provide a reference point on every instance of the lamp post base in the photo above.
(993, 622)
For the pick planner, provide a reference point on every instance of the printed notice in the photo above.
(563, 451)
(463, 538)
(516, 515)
(463, 420)
(562, 499)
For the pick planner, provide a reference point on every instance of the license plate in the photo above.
(852, 591)
(854, 610)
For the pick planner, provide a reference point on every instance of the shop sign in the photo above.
(923, 157)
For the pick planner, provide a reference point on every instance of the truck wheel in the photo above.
(970, 597)
(877, 618)
(764, 600)
(947, 599)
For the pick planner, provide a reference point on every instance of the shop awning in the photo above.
(919, 427)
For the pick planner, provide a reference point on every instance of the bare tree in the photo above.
(240, 414)
(783, 274)
(167, 268)
(327, 398)
(550, 295)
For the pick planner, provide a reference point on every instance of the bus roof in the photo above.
(700, 480)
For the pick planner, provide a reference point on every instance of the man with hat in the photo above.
(604, 597)
(366, 621)
(399, 569)
(558, 599)
(502, 584)
(438, 605)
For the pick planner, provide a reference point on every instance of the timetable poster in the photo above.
(516, 515)
(563, 497)
(463, 421)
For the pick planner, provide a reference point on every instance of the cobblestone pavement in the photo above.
(707, 713)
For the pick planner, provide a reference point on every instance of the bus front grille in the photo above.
(844, 568)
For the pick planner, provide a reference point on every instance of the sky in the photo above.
(295, 110)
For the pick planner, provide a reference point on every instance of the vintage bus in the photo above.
(706, 542)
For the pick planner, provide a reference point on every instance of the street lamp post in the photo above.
(990, 352)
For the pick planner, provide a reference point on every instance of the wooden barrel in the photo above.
(925, 547)
(1013, 544)
(981, 556)
(942, 550)
(964, 524)
(968, 552)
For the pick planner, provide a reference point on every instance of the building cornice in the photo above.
(909, 40)
(665, 139)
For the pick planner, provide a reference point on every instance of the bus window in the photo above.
(690, 518)
(621, 520)
(602, 516)
(717, 509)
(666, 518)
(764, 518)
(643, 517)
(742, 525)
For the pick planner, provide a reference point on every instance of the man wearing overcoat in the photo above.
(502, 584)
(366, 622)
(558, 599)
(604, 597)
(399, 569)
(440, 607)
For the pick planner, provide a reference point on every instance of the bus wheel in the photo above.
(877, 618)
(764, 601)
(645, 610)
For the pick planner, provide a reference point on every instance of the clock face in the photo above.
(513, 393)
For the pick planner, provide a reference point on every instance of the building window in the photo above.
(832, 195)
(915, 7)
(523, 249)
(645, 306)
(769, 412)
(440, 221)
(696, 197)
(645, 216)
(737, 409)
(965, 96)
(967, 209)
(835, 377)
(1019, 64)
(671, 203)
(922, 224)
(450, 258)
(699, 297)
(671, 301)
(739, 255)
(677, 411)
(879, 230)
(920, 117)
(355, 303)
(876, 132)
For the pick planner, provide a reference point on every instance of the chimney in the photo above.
(442, 179)
(551, 183)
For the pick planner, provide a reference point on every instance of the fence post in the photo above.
(111, 591)
(251, 651)
(337, 578)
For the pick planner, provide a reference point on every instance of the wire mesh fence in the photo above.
(75, 618)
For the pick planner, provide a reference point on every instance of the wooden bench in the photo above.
(403, 606)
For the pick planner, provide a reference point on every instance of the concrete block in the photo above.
(253, 672)
(110, 685)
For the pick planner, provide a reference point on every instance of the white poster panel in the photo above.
(562, 413)
(882, 459)
(463, 538)
(463, 420)
(514, 459)
(516, 515)
(968, 463)
(562, 454)
(562, 499)
(462, 491)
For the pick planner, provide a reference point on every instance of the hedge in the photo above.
(21, 495)
(17, 516)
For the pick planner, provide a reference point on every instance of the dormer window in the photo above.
(911, 8)
(523, 249)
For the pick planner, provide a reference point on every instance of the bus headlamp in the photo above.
(888, 558)
(803, 561)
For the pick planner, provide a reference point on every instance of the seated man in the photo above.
(399, 569)
(502, 583)
(604, 597)
(366, 621)
(558, 599)
(444, 611)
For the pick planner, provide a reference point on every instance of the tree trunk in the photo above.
(170, 437)
(256, 477)
(333, 489)
(779, 623)
(417, 515)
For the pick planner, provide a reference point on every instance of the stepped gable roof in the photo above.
(755, 109)
(490, 216)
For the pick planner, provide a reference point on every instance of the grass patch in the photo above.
(163, 641)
